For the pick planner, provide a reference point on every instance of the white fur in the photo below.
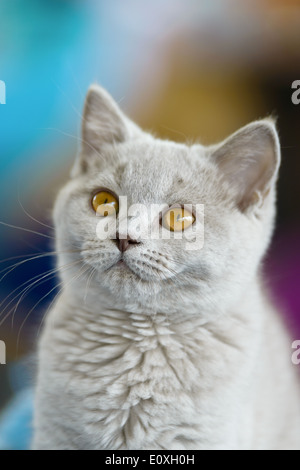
(181, 349)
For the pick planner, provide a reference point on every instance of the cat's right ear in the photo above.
(103, 124)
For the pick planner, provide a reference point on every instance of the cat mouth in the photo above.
(122, 263)
(141, 269)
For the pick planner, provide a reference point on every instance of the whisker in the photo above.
(89, 280)
(28, 288)
(43, 255)
(76, 138)
(86, 268)
(79, 114)
(82, 118)
(16, 257)
(24, 283)
(26, 230)
(41, 281)
(33, 254)
(51, 303)
(31, 217)
(26, 291)
(34, 232)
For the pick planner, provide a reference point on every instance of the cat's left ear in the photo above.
(249, 160)
(103, 124)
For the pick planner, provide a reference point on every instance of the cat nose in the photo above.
(124, 243)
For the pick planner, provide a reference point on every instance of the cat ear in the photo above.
(249, 161)
(103, 124)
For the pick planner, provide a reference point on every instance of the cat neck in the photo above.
(104, 308)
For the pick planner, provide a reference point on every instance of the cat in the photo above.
(152, 345)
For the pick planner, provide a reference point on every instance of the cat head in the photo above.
(230, 192)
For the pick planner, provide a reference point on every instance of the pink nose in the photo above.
(124, 243)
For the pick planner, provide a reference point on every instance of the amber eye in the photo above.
(105, 203)
(177, 219)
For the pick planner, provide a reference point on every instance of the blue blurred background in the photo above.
(184, 69)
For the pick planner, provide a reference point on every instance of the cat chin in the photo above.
(127, 291)
(126, 285)
(134, 270)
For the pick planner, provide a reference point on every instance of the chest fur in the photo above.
(134, 382)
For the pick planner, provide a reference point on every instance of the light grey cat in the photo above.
(151, 345)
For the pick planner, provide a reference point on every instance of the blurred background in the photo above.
(184, 69)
